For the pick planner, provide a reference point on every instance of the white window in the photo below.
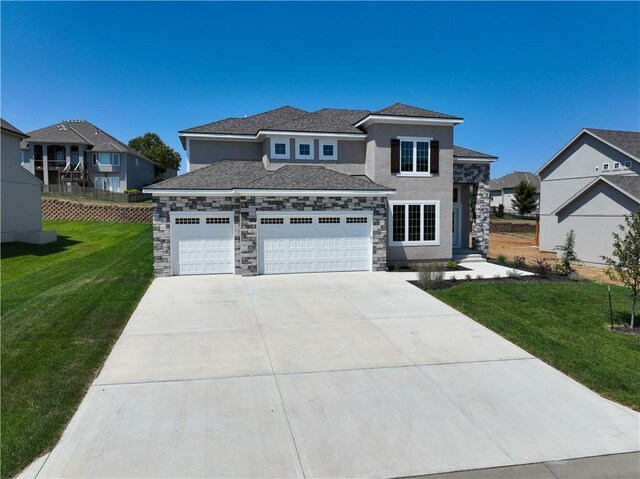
(104, 159)
(616, 165)
(107, 183)
(328, 150)
(115, 159)
(414, 155)
(605, 166)
(414, 223)
(627, 164)
(304, 149)
(280, 148)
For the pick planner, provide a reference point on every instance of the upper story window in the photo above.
(280, 148)
(627, 164)
(414, 155)
(304, 149)
(105, 159)
(328, 150)
(605, 166)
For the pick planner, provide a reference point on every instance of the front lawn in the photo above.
(63, 306)
(565, 325)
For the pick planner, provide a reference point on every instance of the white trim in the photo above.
(465, 159)
(188, 155)
(301, 141)
(322, 144)
(272, 148)
(456, 238)
(289, 213)
(260, 192)
(406, 120)
(113, 158)
(218, 136)
(584, 130)
(420, 203)
(606, 167)
(587, 188)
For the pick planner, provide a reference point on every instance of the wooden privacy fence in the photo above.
(92, 193)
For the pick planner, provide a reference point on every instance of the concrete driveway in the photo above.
(323, 375)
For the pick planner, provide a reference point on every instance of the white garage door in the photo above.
(314, 242)
(202, 243)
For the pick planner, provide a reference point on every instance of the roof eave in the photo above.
(475, 159)
(407, 120)
(265, 192)
(18, 134)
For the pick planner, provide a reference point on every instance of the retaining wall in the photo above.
(506, 227)
(55, 209)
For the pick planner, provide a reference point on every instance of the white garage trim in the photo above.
(314, 241)
(209, 233)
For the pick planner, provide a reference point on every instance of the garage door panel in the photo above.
(202, 244)
(330, 242)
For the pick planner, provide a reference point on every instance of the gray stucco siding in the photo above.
(138, 174)
(205, 152)
(245, 223)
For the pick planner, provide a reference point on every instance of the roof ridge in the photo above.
(80, 134)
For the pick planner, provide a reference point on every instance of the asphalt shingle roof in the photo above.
(326, 120)
(628, 141)
(461, 152)
(251, 174)
(512, 179)
(630, 183)
(5, 125)
(81, 132)
(400, 109)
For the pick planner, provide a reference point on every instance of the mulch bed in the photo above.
(624, 329)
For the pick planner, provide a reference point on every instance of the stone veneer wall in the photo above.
(477, 174)
(55, 209)
(245, 223)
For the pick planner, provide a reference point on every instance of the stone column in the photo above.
(45, 165)
(480, 230)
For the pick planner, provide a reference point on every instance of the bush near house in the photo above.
(64, 305)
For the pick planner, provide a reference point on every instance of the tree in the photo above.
(524, 200)
(625, 264)
(151, 146)
(500, 211)
(568, 256)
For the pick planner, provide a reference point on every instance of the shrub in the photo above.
(500, 211)
(430, 276)
(497, 276)
(514, 274)
(569, 256)
(501, 258)
(574, 276)
(542, 267)
(519, 261)
(132, 191)
(452, 264)
(396, 267)
(467, 277)
(479, 276)
(453, 279)
(414, 266)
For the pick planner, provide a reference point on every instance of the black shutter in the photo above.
(435, 157)
(395, 155)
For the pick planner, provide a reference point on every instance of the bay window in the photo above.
(414, 223)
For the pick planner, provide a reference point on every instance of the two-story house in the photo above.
(288, 191)
(588, 187)
(76, 151)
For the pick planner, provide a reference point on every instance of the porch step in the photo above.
(469, 258)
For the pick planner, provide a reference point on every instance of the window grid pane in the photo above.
(429, 222)
(304, 149)
(398, 222)
(280, 149)
(422, 158)
(406, 156)
(327, 150)
(414, 222)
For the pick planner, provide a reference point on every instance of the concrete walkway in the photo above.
(476, 270)
(324, 375)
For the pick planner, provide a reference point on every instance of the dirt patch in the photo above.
(511, 245)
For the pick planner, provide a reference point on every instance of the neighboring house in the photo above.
(289, 191)
(589, 186)
(20, 193)
(77, 151)
(503, 189)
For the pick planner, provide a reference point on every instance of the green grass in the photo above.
(565, 325)
(63, 306)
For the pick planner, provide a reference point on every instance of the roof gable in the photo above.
(9, 128)
(400, 109)
(626, 142)
(512, 179)
(627, 185)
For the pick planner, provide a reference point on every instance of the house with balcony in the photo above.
(78, 152)
(293, 191)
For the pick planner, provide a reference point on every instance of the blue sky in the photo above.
(526, 77)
